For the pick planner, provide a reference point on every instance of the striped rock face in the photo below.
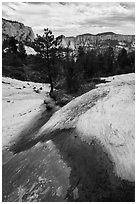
(100, 41)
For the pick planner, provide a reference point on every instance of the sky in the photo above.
(71, 19)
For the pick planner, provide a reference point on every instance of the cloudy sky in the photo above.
(71, 19)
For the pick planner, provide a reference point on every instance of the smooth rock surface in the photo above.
(84, 152)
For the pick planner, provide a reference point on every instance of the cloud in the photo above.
(73, 18)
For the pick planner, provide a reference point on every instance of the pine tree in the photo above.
(109, 61)
(123, 61)
(44, 46)
(22, 51)
(13, 45)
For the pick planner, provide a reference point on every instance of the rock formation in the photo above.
(17, 30)
(89, 41)
(85, 152)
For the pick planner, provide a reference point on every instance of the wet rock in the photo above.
(75, 194)
(46, 191)
(59, 191)
(21, 192)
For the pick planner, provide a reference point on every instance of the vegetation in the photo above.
(62, 68)
(44, 46)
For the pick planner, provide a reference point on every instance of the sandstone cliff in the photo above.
(18, 30)
(90, 41)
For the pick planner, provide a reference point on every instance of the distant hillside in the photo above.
(108, 58)
(17, 30)
(100, 41)
(89, 41)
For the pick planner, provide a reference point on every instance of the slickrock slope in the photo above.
(107, 115)
(84, 152)
(20, 104)
(17, 30)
